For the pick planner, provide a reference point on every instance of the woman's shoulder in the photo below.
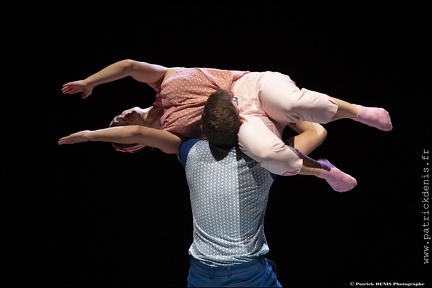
(173, 70)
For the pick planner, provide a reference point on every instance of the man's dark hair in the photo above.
(220, 119)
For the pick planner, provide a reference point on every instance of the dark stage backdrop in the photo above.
(86, 216)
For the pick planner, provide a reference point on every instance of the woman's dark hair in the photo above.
(127, 148)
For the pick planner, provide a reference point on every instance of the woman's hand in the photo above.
(77, 87)
(78, 137)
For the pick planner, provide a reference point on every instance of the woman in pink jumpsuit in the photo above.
(268, 102)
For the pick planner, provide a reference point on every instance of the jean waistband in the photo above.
(226, 270)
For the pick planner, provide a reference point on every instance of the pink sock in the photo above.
(338, 180)
(375, 117)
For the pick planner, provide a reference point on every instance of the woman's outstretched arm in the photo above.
(151, 74)
(132, 134)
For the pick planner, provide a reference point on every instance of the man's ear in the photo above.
(241, 120)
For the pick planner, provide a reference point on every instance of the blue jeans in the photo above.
(260, 272)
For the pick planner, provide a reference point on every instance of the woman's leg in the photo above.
(257, 140)
(372, 116)
(284, 102)
(322, 168)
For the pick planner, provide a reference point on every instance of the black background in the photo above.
(86, 216)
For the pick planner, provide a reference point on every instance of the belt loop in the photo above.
(229, 272)
(211, 272)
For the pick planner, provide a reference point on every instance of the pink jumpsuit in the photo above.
(268, 101)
